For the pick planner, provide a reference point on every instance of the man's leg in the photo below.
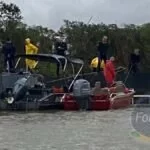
(57, 71)
(5, 63)
(137, 68)
(13, 62)
(134, 69)
(104, 58)
(94, 69)
(129, 67)
(63, 64)
(10, 61)
(99, 63)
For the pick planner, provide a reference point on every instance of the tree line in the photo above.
(83, 37)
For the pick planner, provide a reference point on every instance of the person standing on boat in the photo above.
(109, 71)
(9, 52)
(134, 61)
(61, 48)
(102, 51)
(30, 49)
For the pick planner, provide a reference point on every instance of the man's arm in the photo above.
(34, 48)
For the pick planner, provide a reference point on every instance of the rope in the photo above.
(128, 74)
(70, 77)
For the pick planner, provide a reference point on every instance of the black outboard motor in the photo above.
(20, 89)
(81, 92)
(18, 92)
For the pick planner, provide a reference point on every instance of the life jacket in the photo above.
(109, 72)
(94, 63)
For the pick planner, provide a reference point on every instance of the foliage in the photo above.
(83, 37)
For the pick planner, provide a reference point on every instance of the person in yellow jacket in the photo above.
(94, 64)
(30, 49)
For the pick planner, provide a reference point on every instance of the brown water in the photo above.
(105, 130)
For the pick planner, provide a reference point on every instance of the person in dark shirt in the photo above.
(102, 50)
(134, 61)
(9, 51)
(60, 48)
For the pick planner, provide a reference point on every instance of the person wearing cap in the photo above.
(134, 61)
(60, 45)
(109, 71)
(60, 48)
(102, 50)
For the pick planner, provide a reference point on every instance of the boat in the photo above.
(28, 91)
(121, 97)
(115, 97)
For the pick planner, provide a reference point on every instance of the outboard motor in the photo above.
(81, 91)
(18, 92)
(20, 89)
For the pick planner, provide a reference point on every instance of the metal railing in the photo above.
(139, 100)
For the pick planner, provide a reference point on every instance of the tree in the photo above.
(9, 13)
(83, 37)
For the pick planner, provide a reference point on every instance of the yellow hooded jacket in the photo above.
(94, 63)
(30, 49)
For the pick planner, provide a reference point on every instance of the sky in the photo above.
(51, 13)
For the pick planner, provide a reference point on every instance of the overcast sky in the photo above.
(51, 13)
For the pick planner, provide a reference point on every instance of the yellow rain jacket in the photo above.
(94, 63)
(30, 49)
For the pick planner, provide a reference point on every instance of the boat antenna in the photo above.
(86, 42)
(89, 20)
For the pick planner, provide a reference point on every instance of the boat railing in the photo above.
(74, 79)
(141, 100)
(17, 63)
(63, 69)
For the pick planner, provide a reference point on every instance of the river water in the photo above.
(102, 130)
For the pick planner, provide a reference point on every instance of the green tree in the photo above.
(83, 37)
